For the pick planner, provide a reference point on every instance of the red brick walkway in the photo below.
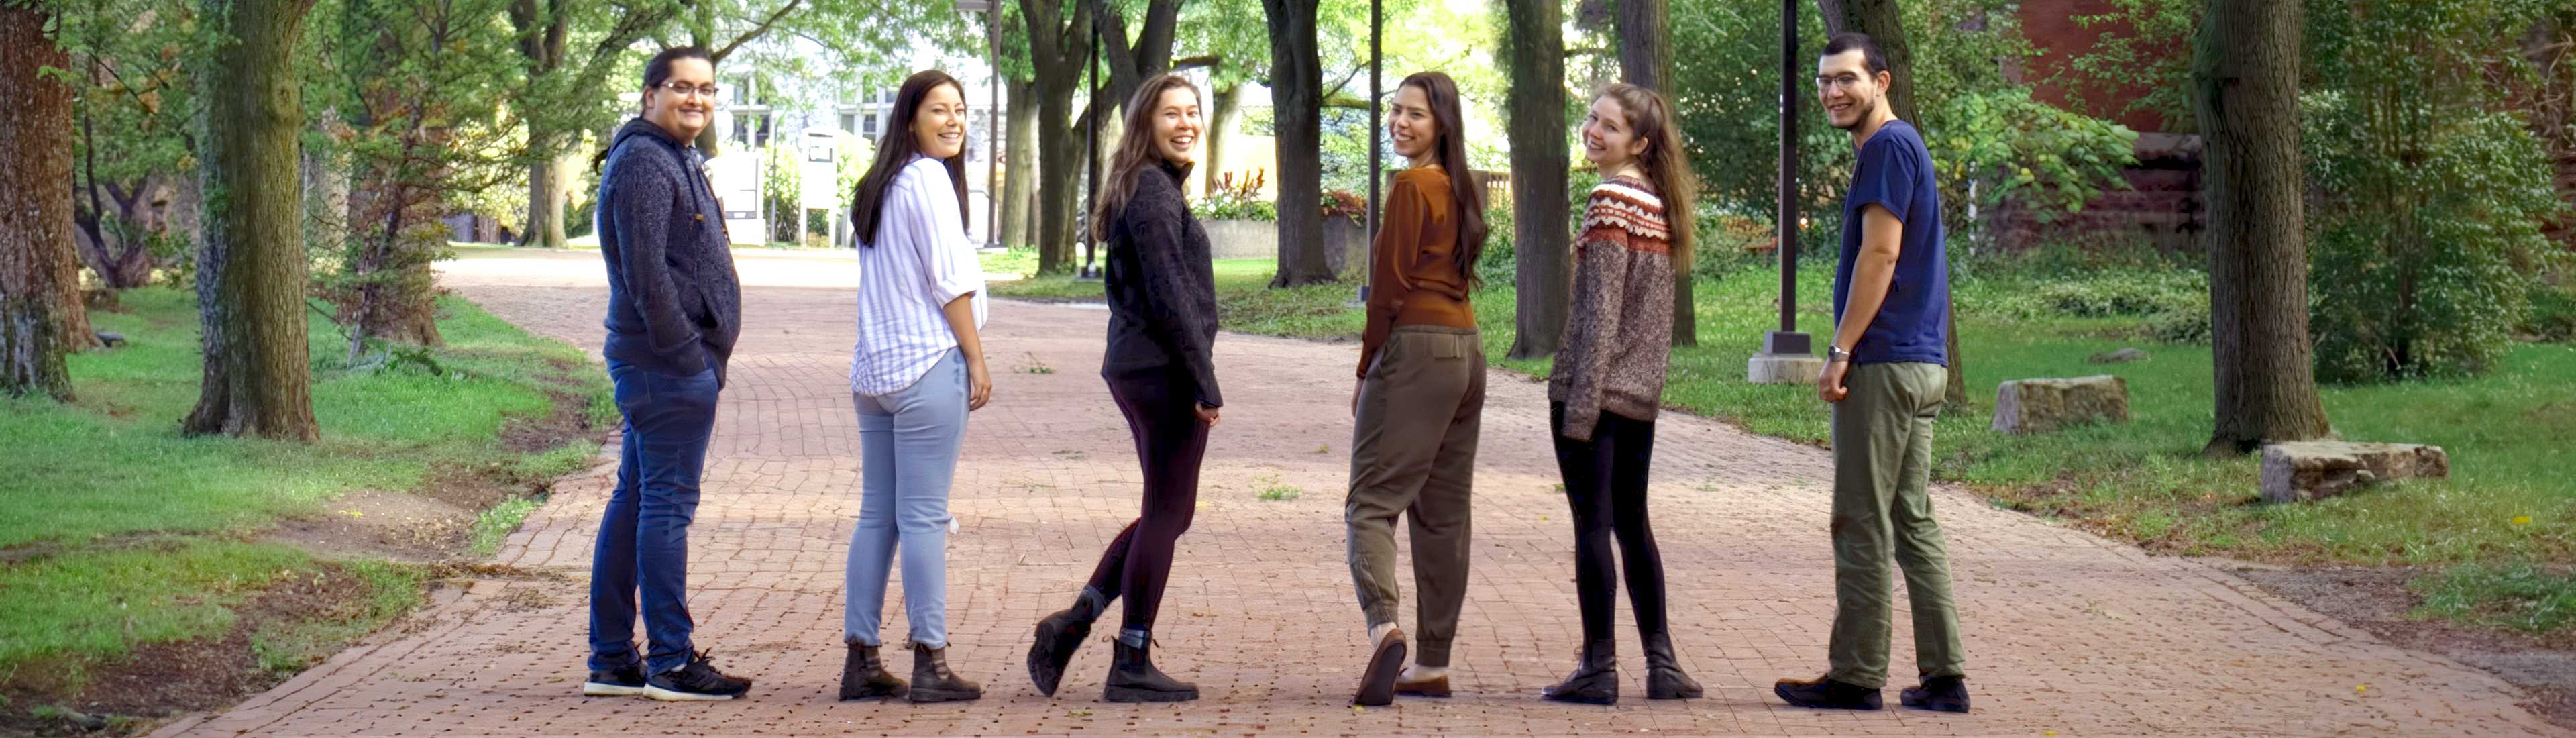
(2066, 632)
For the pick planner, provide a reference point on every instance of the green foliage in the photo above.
(2154, 47)
(2021, 149)
(2552, 316)
(1230, 198)
(2425, 224)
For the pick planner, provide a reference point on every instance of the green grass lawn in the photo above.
(2501, 530)
(125, 533)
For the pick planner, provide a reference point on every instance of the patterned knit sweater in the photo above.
(1620, 332)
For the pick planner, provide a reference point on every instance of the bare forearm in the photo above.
(1882, 240)
(960, 313)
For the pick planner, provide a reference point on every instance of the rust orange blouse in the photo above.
(1413, 273)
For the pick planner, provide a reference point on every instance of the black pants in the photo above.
(1170, 440)
(1605, 480)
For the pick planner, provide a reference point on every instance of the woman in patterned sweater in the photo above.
(1609, 379)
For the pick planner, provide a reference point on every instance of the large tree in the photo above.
(567, 90)
(1296, 100)
(250, 263)
(1020, 163)
(1646, 60)
(134, 201)
(41, 318)
(2245, 96)
(1543, 268)
(1060, 47)
(1885, 22)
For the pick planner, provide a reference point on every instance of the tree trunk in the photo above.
(1221, 119)
(547, 187)
(2245, 97)
(41, 316)
(1059, 49)
(1646, 60)
(1019, 161)
(1543, 267)
(1882, 20)
(251, 268)
(1296, 98)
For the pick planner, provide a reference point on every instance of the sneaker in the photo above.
(624, 681)
(1823, 693)
(1944, 694)
(697, 680)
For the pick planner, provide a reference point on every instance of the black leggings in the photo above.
(1605, 480)
(1170, 440)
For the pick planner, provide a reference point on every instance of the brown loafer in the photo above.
(1377, 683)
(1433, 687)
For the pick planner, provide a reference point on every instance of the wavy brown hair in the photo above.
(896, 148)
(1466, 195)
(1135, 150)
(1667, 164)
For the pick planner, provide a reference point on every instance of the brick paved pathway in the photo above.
(2066, 632)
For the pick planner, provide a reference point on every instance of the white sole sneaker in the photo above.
(673, 695)
(603, 689)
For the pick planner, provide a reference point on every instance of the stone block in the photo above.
(1783, 368)
(2025, 406)
(2314, 470)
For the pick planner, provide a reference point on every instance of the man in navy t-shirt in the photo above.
(1885, 378)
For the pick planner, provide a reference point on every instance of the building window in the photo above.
(870, 128)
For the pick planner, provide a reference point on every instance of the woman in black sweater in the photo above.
(1162, 326)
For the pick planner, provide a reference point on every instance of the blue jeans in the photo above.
(644, 535)
(908, 443)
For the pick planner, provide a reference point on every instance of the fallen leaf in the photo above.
(2359, 688)
(2522, 520)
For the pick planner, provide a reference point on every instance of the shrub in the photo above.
(1346, 204)
(2552, 316)
(1231, 199)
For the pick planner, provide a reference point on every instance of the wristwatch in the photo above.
(1836, 353)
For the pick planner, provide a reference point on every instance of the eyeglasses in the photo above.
(1844, 82)
(685, 89)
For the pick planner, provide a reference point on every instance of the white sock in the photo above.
(1378, 633)
(1418, 672)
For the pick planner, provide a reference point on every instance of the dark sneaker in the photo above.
(1826, 694)
(1945, 694)
(625, 681)
(695, 681)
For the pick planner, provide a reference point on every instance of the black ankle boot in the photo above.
(1945, 694)
(933, 682)
(1059, 635)
(1595, 681)
(863, 675)
(1133, 678)
(1664, 677)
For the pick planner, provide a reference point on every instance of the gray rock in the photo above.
(2121, 356)
(2315, 470)
(2026, 406)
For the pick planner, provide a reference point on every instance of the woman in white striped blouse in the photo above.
(917, 370)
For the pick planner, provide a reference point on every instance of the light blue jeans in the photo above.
(908, 443)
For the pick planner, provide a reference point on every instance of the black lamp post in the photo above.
(1787, 356)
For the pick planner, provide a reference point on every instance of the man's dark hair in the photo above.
(658, 70)
(1849, 40)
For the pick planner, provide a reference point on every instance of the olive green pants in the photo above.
(1413, 452)
(1883, 509)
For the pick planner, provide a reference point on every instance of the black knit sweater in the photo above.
(1161, 287)
(674, 305)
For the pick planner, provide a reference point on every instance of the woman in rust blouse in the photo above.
(1421, 388)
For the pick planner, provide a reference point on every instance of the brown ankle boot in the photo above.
(933, 682)
(863, 675)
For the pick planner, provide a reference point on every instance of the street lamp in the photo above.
(1787, 356)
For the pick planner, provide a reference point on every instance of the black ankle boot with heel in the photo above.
(933, 682)
(864, 676)
(1133, 678)
(1665, 679)
(1059, 635)
(1595, 681)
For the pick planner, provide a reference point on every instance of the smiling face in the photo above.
(939, 125)
(1176, 124)
(1410, 124)
(684, 104)
(1608, 141)
(1852, 96)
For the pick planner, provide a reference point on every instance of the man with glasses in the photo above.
(673, 314)
(1885, 380)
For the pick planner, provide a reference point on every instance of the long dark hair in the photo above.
(1666, 163)
(1135, 150)
(896, 148)
(657, 72)
(1466, 195)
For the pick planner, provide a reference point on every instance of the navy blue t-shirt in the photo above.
(1895, 172)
